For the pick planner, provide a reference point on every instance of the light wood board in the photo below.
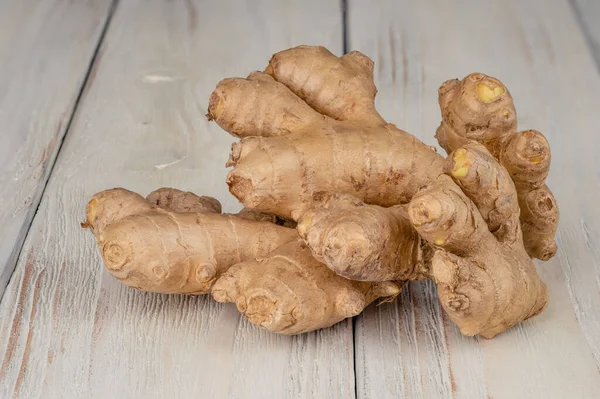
(68, 329)
(408, 348)
(41, 72)
(588, 13)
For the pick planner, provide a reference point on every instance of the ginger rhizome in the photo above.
(480, 108)
(175, 242)
(486, 281)
(366, 206)
(290, 292)
(348, 148)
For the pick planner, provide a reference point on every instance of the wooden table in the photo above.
(96, 94)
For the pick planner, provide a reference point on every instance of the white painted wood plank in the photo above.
(70, 330)
(408, 349)
(588, 13)
(41, 72)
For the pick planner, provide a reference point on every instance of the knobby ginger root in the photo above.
(176, 242)
(339, 148)
(364, 242)
(335, 141)
(486, 280)
(290, 292)
(481, 108)
(474, 251)
(285, 162)
(158, 245)
(374, 206)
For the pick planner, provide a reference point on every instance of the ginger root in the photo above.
(370, 207)
(290, 292)
(481, 108)
(174, 242)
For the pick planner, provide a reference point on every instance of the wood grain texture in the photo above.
(408, 348)
(69, 329)
(588, 13)
(41, 72)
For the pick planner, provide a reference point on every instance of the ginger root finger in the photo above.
(258, 106)
(290, 292)
(489, 186)
(481, 108)
(339, 87)
(526, 156)
(159, 250)
(334, 158)
(444, 216)
(362, 242)
(109, 206)
(485, 286)
(539, 221)
(176, 200)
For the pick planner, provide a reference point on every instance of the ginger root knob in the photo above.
(487, 94)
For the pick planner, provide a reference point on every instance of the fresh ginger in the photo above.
(374, 206)
(290, 292)
(175, 242)
(473, 265)
(148, 245)
(481, 108)
(364, 242)
(486, 280)
(350, 149)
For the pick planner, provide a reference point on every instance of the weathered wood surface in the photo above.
(68, 329)
(408, 348)
(41, 72)
(588, 13)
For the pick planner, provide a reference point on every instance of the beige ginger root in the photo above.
(290, 292)
(174, 242)
(177, 242)
(486, 280)
(349, 149)
(375, 207)
(474, 251)
(336, 142)
(364, 242)
(481, 108)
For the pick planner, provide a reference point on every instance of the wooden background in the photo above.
(98, 93)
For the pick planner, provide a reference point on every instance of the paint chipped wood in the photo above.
(42, 70)
(68, 328)
(408, 348)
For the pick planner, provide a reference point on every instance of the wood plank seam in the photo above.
(142, 110)
(17, 250)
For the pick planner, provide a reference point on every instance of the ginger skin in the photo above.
(486, 280)
(374, 206)
(283, 141)
(364, 242)
(176, 242)
(383, 170)
(481, 108)
(290, 292)
(473, 243)
(158, 245)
